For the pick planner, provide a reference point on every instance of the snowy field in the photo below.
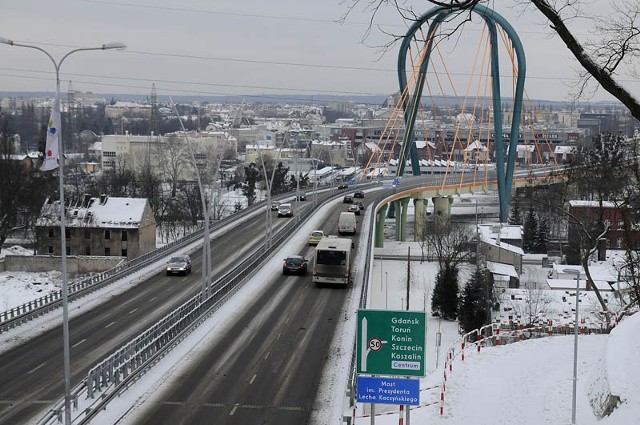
(529, 382)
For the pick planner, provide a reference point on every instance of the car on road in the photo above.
(347, 199)
(301, 196)
(354, 208)
(179, 265)
(315, 236)
(296, 264)
(360, 204)
(358, 194)
(275, 205)
(285, 210)
(343, 186)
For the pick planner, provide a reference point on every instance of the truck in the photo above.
(332, 261)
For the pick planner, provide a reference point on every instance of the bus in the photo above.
(332, 261)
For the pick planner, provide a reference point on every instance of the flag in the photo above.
(51, 151)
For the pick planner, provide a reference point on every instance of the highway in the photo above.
(32, 373)
(267, 367)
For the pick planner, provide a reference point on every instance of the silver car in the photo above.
(179, 265)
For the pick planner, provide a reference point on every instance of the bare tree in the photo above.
(602, 60)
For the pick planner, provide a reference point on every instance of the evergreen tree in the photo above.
(530, 231)
(474, 303)
(542, 237)
(252, 175)
(515, 218)
(444, 301)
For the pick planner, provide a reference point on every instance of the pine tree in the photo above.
(515, 218)
(530, 231)
(444, 301)
(474, 303)
(542, 237)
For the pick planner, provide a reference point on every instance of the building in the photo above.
(104, 226)
(501, 248)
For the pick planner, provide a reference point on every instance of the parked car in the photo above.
(347, 199)
(358, 194)
(275, 205)
(354, 208)
(285, 210)
(315, 236)
(343, 186)
(179, 265)
(301, 196)
(295, 264)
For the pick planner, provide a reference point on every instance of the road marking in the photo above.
(110, 324)
(279, 335)
(252, 379)
(153, 298)
(267, 355)
(36, 368)
(78, 343)
(233, 410)
(133, 311)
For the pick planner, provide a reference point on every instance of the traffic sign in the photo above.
(396, 182)
(391, 342)
(388, 390)
(352, 181)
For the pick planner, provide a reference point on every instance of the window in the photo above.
(124, 252)
(50, 249)
(68, 250)
(109, 154)
(52, 233)
(87, 250)
(107, 234)
(107, 252)
(67, 232)
(87, 234)
(124, 236)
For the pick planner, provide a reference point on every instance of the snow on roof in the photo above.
(506, 231)
(594, 204)
(564, 149)
(106, 211)
(502, 245)
(502, 269)
(571, 284)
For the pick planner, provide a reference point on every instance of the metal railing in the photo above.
(115, 373)
(32, 309)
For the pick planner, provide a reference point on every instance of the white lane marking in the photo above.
(253, 378)
(36, 368)
(233, 410)
(78, 343)
(133, 311)
(110, 324)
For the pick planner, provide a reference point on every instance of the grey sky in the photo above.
(243, 47)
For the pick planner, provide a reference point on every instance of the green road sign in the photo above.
(391, 342)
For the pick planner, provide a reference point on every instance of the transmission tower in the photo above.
(154, 119)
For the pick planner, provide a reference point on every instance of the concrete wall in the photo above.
(75, 264)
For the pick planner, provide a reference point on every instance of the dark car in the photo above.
(354, 208)
(275, 205)
(296, 264)
(360, 204)
(343, 186)
(301, 196)
(179, 265)
(358, 194)
(347, 199)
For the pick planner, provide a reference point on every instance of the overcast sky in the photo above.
(201, 47)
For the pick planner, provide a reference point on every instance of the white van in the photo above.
(347, 223)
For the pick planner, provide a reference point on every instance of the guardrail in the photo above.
(115, 373)
(32, 309)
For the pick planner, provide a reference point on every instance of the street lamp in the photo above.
(575, 343)
(63, 241)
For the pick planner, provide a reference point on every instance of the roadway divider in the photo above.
(113, 375)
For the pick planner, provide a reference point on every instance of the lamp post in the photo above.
(575, 343)
(63, 242)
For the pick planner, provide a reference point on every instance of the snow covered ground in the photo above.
(529, 382)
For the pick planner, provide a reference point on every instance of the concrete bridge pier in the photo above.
(442, 206)
(379, 235)
(420, 203)
(401, 207)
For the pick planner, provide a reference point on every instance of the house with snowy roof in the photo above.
(98, 226)
(500, 247)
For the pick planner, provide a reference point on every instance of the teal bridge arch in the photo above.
(504, 167)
